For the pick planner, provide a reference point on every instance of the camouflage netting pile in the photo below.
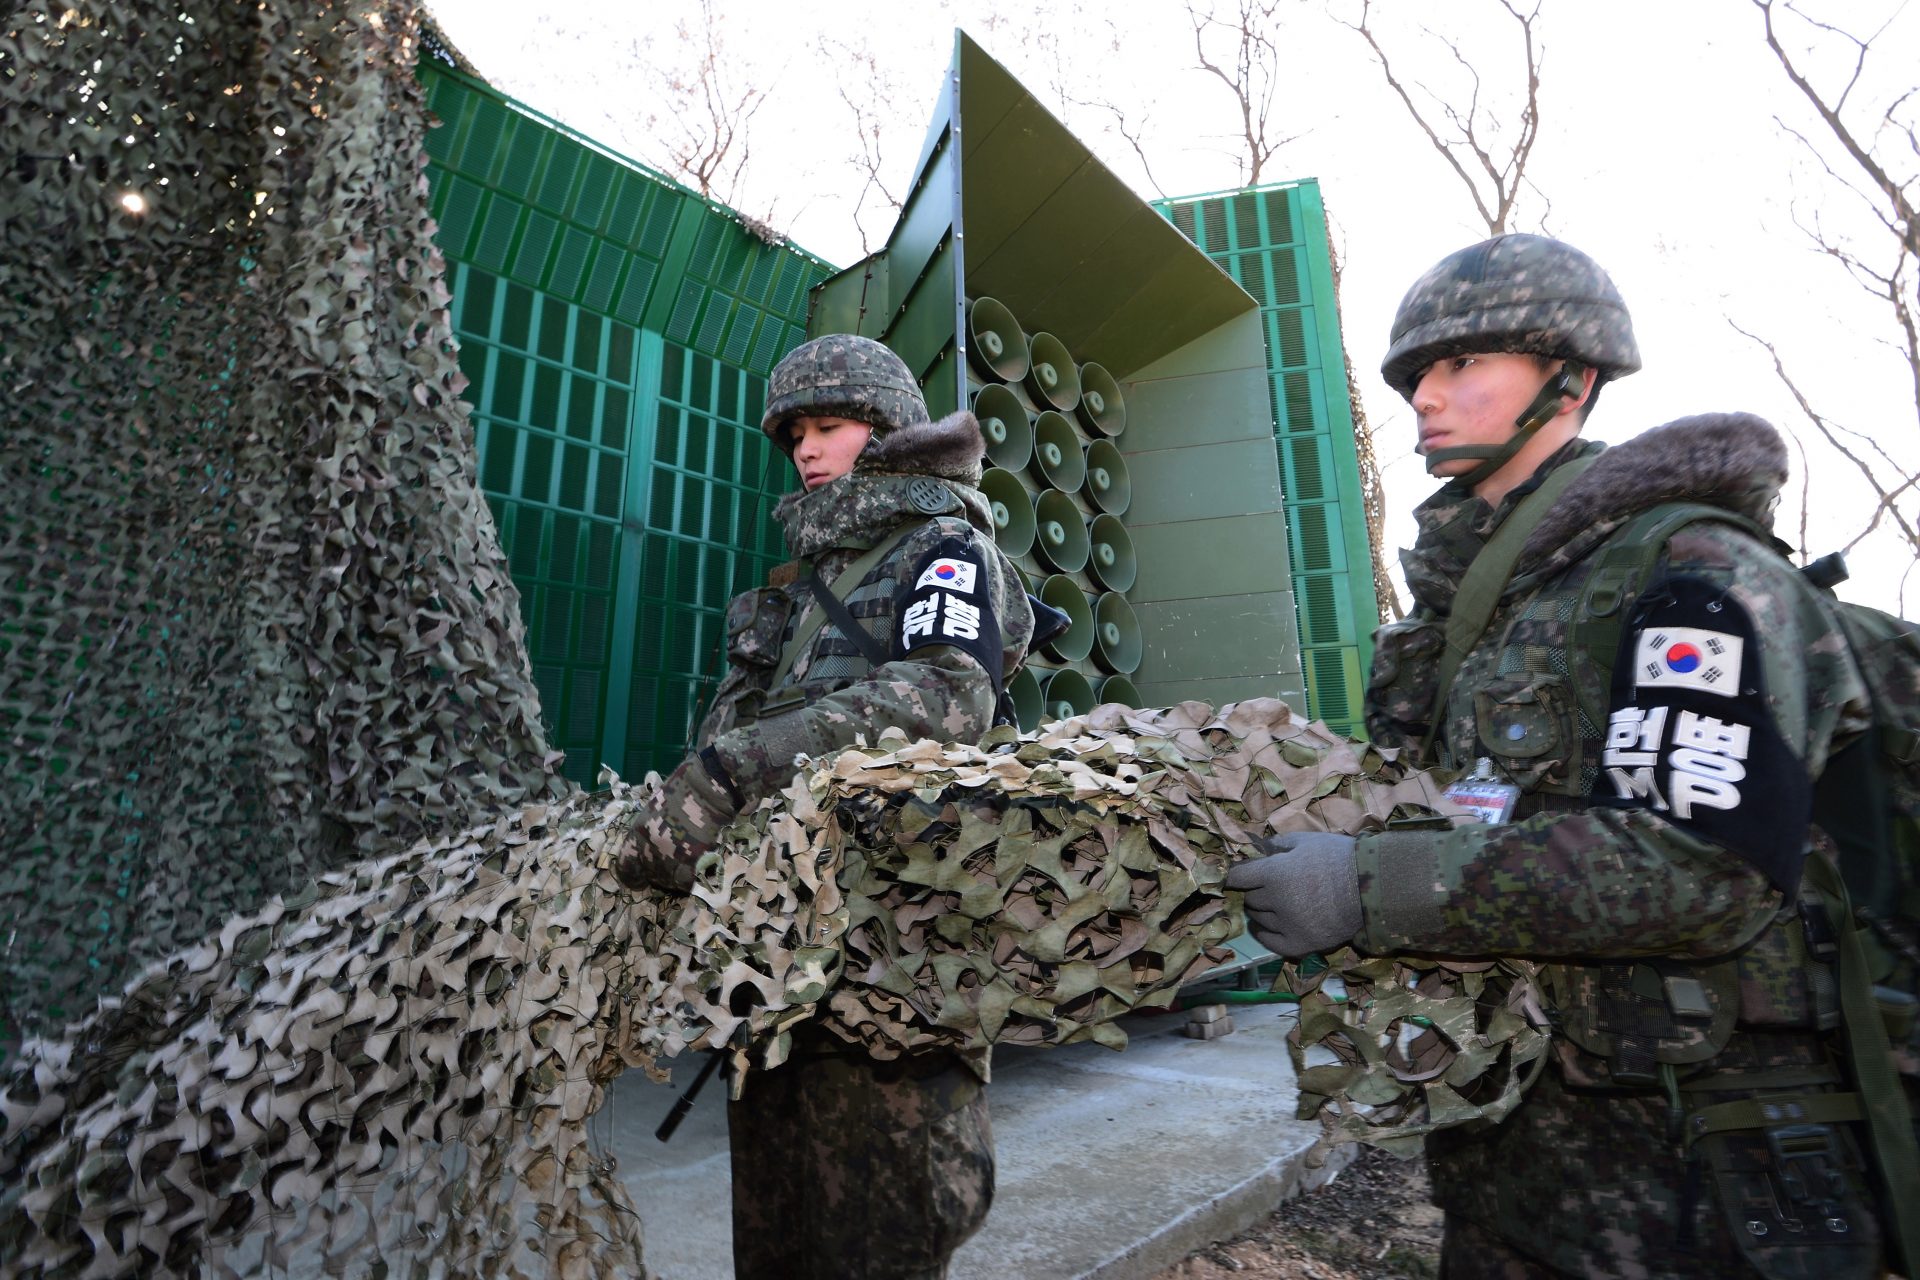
(392, 1071)
(254, 620)
(255, 627)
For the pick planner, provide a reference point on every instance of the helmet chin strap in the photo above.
(1561, 386)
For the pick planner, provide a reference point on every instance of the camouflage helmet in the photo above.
(1513, 293)
(841, 375)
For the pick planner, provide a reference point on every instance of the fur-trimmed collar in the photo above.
(860, 507)
(949, 449)
(1731, 460)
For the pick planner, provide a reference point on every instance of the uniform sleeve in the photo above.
(939, 684)
(1730, 691)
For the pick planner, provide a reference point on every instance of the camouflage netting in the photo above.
(392, 1071)
(254, 620)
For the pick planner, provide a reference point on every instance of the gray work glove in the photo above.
(1304, 896)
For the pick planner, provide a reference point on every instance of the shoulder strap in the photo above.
(1622, 566)
(1485, 581)
(845, 582)
(842, 617)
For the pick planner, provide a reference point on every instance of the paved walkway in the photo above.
(1111, 1165)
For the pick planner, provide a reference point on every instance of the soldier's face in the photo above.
(1472, 400)
(824, 448)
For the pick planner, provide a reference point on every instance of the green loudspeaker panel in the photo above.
(1053, 379)
(1102, 408)
(1116, 689)
(1062, 541)
(1064, 594)
(1007, 428)
(1111, 561)
(995, 345)
(1116, 635)
(1056, 452)
(1007, 498)
(1109, 484)
(1028, 705)
(1066, 692)
(1146, 372)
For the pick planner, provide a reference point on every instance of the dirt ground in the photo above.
(1372, 1222)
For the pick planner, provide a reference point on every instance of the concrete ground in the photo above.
(1111, 1165)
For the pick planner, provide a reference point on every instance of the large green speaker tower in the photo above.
(1145, 381)
(1273, 241)
(616, 330)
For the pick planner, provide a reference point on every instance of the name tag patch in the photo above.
(1689, 658)
(954, 575)
(1701, 764)
(941, 615)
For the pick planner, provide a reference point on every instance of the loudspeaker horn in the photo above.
(1056, 451)
(1028, 705)
(1102, 407)
(1064, 594)
(1062, 542)
(1053, 379)
(1006, 426)
(1111, 560)
(1116, 634)
(1109, 486)
(1119, 689)
(995, 345)
(1066, 693)
(1013, 523)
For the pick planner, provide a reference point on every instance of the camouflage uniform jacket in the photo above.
(919, 476)
(1661, 845)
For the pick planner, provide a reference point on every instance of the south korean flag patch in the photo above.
(949, 603)
(953, 573)
(1690, 734)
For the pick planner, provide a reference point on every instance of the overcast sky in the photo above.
(1662, 150)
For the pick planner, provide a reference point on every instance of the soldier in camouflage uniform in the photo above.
(1653, 851)
(844, 1166)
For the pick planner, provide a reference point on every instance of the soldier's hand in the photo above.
(1304, 896)
(663, 846)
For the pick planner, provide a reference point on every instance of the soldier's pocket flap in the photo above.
(1525, 717)
(757, 626)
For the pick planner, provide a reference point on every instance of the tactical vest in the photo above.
(763, 624)
(1669, 1025)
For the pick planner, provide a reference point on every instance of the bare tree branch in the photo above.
(1492, 172)
(706, 125)
(1884, 269)
(1896, 193)
(873, 97)
(1253, 77)
(1130, 134)
(1886, 507)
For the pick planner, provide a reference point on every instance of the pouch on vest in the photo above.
(757, 626)
(1529, 725)
(1623, 1022)
(1401, 685)
(1794, 1197)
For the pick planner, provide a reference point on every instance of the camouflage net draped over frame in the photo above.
(391, 1072)
(254, 620)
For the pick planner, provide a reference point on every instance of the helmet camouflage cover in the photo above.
(1514, 293)
(842, 375)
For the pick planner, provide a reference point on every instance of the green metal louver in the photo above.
(617, 330)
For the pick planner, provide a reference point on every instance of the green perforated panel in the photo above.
(616, 330)
(1273, 242)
